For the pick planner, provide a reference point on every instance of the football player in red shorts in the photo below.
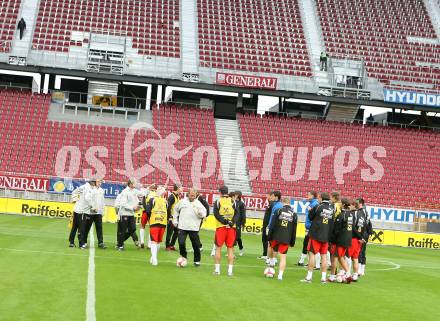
(157, 212)
(225, 233)
(144, 218)
(322, 217)
(341, 239)
(359, 228)
(282, 233)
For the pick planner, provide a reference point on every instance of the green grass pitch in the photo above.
(43, 279)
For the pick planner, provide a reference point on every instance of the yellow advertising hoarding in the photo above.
(406, 239)
(46, 208)
(65, 210)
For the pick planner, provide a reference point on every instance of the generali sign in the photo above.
(24, 183)
(246, 81)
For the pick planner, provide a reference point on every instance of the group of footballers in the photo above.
(337, 233)
(337, 230)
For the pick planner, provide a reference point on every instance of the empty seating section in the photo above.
(30, 141)
(411, 166)
(196, 128)
(153, 25)
(253, 35)
(377, 31)
(8, 23)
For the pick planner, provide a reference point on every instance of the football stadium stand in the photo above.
(253, 36)
(396, 39)
(150, 24)
(407, 151)
(31, 141)
(387, 44)
(8, 23)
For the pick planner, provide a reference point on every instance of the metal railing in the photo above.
(102, 110)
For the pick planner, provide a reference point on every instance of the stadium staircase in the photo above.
(189, 32)
(314, 38)
(232, 160)
(342, 112)
(28, 11)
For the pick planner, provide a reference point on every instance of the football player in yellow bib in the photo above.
(156, 209)
(226, 219)
(144, 218)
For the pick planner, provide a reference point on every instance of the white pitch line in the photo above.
(395, 266)
(90, 308)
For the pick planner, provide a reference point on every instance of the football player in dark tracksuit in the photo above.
(368, 231)
(267, 212)
(282, 233)
(359, 238)
(341, 241)
(240, 207)
(172, 231)
(311, 198)
(322, 217)
(205, 204)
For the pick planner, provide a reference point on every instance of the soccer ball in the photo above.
(269, 272)
(181, 262)
(339, 279)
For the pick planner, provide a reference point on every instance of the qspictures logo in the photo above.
(425, 243)
(45, 210)
(298, 163)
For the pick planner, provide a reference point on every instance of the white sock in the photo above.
(347, 274)
(142, 235)
(323, 275)
(332, 277)
(309, 275)
(217, 268)
(273, 261)
(302, 258)
(361, 268)
(153, 248)
(280, 275)
(350, 263)
(230, 269)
